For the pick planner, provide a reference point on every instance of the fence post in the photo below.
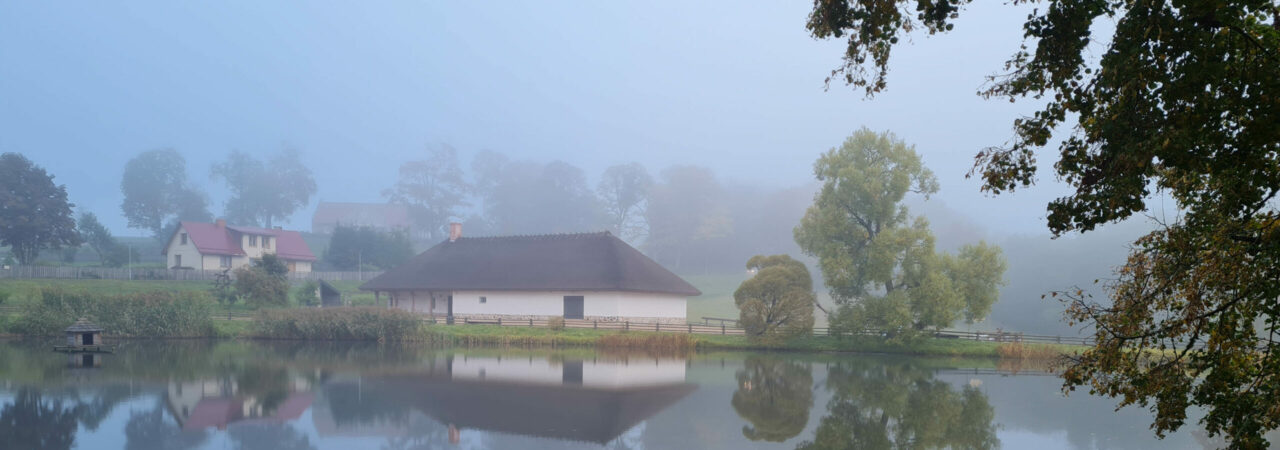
(627, 324)
(690, 328)
(499, 321)
(594, 325)
(657, 326)
(531, 322)
(721, 327)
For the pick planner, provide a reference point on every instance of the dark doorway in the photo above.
(572, 372)
(450, 306)
(573, 306)
(86, 339)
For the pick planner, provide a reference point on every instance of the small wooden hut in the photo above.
(84, 333)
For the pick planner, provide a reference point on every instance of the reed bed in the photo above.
(146, 314)
(1018, 350)
(338, 324)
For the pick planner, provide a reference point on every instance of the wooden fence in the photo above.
(117, 273)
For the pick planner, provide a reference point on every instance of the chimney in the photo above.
(455, 231)
(222, 223)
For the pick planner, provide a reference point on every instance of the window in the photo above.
(177, 260)
(184, 238)
(253, 240)
(225, 262)
(266, 242)
(483, 299)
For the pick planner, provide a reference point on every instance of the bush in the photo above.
(555, 323)
(363, 323)
(305, 295)
(148, 314)
(4, 296)
(264, 284)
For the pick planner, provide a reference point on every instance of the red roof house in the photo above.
(217, 246)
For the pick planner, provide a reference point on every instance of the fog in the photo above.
(734, 90)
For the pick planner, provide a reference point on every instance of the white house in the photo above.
(592, 276)
(216, 246)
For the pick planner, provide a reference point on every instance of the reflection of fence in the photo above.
(723, 327)
(117, 273)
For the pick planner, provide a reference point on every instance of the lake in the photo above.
(306, 395)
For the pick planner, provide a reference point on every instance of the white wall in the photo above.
(190, 256)
(551, 303)
(602, 373)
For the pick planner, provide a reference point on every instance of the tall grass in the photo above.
(1018, 350)
(362, 323)
(146, 314)
(657, 342)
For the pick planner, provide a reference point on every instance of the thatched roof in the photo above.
(84, 326)
(559, 262)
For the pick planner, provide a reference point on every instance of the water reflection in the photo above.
(876, 405)
(774, 395)
(295, 395)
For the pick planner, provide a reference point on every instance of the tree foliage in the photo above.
(530, 198)
(265, 191)
(157, 194)
(687, 215)
(433, 189)
(777, 302)
(890, 404)
(878, 261)
(263, 283)
(349, 247)
(774, 395)
(623, 190)
(98, 238)
(1180, 100)
(34, 212)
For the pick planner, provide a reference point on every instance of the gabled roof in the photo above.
(83, 326)
(560, 262)
(211, 239)
(288, 244)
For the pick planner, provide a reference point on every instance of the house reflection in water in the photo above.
(593, 400)
(218, 402)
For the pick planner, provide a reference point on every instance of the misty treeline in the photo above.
(685, 217)
(158, 195)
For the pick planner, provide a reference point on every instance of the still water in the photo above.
(294, 395)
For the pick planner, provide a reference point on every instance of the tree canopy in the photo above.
(157, 194)
(623, 190)
(777, 301)
(99, 239)
(1180, 101)
(434, 190)
(878, 261)
(349, 247)
(34, 212)
(265, 191)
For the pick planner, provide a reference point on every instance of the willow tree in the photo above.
(778, 301)
(878, 261)
(1182, 99)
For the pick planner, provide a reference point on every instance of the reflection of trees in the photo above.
(268, 437)
(32, 423)
(883, 404)
(148, 430)
(775, 396)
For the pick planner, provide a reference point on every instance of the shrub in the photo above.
(365, 323)
(306, 294)
(148, 314)
(555, 323)
(4, 296)
(264, 284)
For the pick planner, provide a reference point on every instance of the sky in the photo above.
(359, 88)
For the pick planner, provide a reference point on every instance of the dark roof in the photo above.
(83, 326)
(560, 262)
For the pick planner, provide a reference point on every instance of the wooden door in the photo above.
(573, 306)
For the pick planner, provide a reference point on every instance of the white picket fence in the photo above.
(115, 273)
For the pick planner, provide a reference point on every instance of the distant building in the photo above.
(591, 276)
(217, 246)
(379, 216)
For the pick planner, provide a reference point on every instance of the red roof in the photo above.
(210, 239)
